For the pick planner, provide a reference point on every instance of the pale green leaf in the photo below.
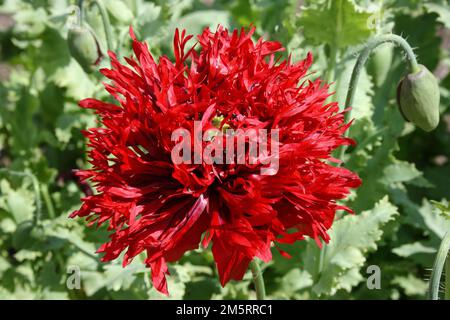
(195, 22)
(410, 249)
(350, 279)
(75, 80)
(433, 219)
(412, 285)
(294, 281)
(339, 23)
(400, 171)
(362, 106)
(19, 203)
(351, 238)
(119, 10)
(444, 207)
(443, 11)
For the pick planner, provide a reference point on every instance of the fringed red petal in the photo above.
(163, 209)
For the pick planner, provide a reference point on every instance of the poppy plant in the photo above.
(227, 80)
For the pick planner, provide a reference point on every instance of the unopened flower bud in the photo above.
(418, 98)
(84, 48)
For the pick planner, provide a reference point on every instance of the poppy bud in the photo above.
(84, 48)
(418, 98)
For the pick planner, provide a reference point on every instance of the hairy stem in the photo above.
(81, 16)
(361, 61)
(258, 280)
(106, 24)
(441, 260)
(332, 65)
(447, 277)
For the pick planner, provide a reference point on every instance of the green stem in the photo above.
(48, 202)
(436, 274)
(332, 64)
(106, 24)
(80, 17)
(335, 6)
(447, 277)
(258, 280)
(105, 20)
(359, 66)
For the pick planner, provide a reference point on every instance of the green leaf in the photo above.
(444, 206)
(412, 285)
(351, 238)
(400, 171)
(293, 282)
(234, 290)
(427, 217)
(30, 22)
(339, 23)
(75, 80)
(202, 288)
(19, 120)
(195, 22)
(362, 106)
(49, 276)
(53, 53)
(410, 249)
(4, 264)
(113, 278)
(424, 39)
(119, 10)
(380, 156)
(19, 203)
(443, 12)
(438, 176)
(433, 219)
(61, 234)
(117, 277)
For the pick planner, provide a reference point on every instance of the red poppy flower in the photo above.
(164, 209)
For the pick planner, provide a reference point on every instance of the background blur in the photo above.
(397, 226)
